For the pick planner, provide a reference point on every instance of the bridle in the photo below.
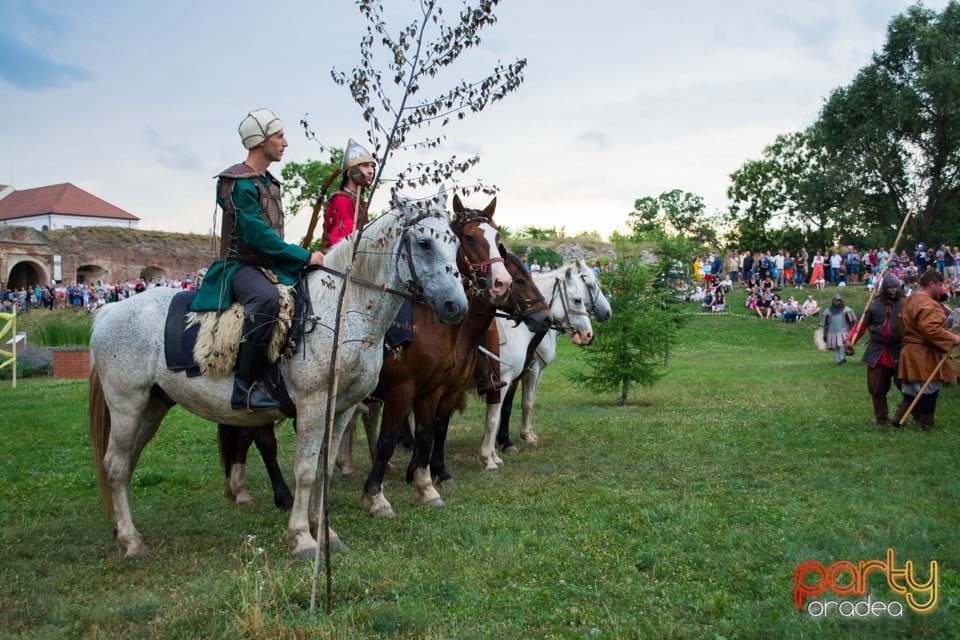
(594, 296)
(414, 287)
(523, 307)
(478, 270)
(564, 325)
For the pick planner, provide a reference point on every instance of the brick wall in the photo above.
(71, 363)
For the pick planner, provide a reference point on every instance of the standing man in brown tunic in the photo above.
(925, 339)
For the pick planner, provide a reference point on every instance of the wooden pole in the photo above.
(893, 252)
(326, 450)
(926, 384)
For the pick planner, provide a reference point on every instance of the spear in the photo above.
(893, 251)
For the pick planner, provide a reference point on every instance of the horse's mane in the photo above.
(377, 240)
(338, 257)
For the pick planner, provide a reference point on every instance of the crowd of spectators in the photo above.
(767, 275)
(84, 295)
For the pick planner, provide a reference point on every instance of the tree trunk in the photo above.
(624, 388)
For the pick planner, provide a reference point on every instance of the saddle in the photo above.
(207, 342)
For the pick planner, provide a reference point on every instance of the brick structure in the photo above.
(62, 233)
(71, 363)
(89, 254)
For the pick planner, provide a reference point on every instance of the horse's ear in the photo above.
(457, 204)
(488, 212)
(442, 197)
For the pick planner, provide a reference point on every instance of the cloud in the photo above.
(30, 69)
(172, 155)
(597, 138)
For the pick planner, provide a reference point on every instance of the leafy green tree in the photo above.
(795, 186)
(543, 255)
(631, 348)
(897, 125)
(302, 181)
(673, 212)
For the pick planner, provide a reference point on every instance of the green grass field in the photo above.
(683, 515)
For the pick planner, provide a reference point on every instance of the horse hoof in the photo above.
(305, 554)
(244, 498)
(338, 545)
(138, 552)
(349, 475)
(448, 482)
(491, 466)
(383, 512)
(436, 502)
(511, 449)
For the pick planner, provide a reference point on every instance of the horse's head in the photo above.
(525, 304)
(427, 256)
(568, 304)
(479, 245)
(597, 304)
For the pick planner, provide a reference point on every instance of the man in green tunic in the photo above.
(251, 242)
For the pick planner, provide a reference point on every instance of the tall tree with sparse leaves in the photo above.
(396, 65)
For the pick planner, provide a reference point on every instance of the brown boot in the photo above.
(926, 421)
(487, 381)
(901, 409)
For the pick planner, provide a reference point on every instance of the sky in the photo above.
(139, 102)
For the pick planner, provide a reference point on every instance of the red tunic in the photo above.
(338, 219)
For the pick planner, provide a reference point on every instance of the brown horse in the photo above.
(429, 375)
(481, 267)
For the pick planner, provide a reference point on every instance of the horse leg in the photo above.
(405, 437)
(308, 495)
(418, 473)
(506, 408)
(488, 450)
(370, 421)
(265, 437)
(437, 468)
(345, 450)
(129, 434)
(374, 501)
(234, 443)
(531, 380)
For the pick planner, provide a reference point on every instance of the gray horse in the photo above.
(131, 388)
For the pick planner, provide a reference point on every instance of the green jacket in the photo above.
(248, 210)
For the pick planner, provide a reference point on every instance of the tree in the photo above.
(673, 212)
(302, 181)
(630, 349)
(395, 111)
(390, 99)
(794, 186)
(897, 125)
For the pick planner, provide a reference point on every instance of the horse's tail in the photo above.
(461, 404)
(99, 415)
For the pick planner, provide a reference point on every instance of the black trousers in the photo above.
(260, 300)
(878, 384)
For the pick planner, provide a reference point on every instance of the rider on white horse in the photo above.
(251, 242)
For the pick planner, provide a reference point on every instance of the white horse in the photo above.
(575, 294)
(131, 388)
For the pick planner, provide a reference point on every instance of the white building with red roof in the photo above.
(60, 206)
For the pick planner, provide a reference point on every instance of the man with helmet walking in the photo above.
(883, 350)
